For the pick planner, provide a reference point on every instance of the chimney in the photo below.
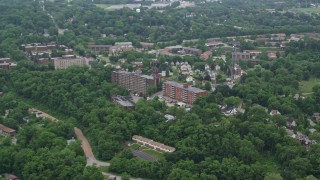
(185, 85)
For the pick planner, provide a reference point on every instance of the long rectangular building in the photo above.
(65, 62)
(182, 92)
(153, 144)
(135, 82)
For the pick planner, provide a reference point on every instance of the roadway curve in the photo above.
(91, 160)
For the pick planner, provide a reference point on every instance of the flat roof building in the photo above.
(123, 101)
(65, 62)
(182, 92)
(153, 144)
(135, 82)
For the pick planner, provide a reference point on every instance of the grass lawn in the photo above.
(104, 169)
(135, 146)
(305, 87)
(307, 10)
(146, 150)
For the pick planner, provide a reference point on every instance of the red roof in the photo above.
(6, 129)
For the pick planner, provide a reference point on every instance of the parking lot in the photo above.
(144, 156)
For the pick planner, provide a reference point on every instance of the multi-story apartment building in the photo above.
(65, 62)
(135, 82)
(182, 92)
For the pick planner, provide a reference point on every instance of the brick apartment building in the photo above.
(5, 63)
(135, 82)
(182, 92)
(246, 55)
(99, 48)
(65, 62)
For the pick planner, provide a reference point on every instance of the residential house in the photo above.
(153, 144)
(192, 51)
(189, 79)
(5, 63)
(146, 45)
(291, 123)
(214, 45)
(206, 55)
(169, 117)
(274, 112)
(4, 130)
(229, 111)
(217, 68)
(278, 37)
(316, 117)
(272, 55)
(295, 37)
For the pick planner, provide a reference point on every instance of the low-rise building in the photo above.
(146, 45)
(169, 117)
(206, 55)
(99, 48)
(274, 112)
(316, 117)
(5, 63)
(153, 144)
(4, 130)
(124, 102)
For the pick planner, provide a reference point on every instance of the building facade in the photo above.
(153, 144)
(135, 82)
(182, 92)
(65, 62)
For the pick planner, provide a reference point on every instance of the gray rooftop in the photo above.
(123, 101)
(189, 88)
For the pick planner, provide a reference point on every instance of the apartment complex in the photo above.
(99, 48)
(153, 144)
(4, 130)
(135, 82)
(65, 62)
(182, 92)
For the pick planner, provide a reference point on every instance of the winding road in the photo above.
(91, 160)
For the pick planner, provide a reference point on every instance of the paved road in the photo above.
(91, 160)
